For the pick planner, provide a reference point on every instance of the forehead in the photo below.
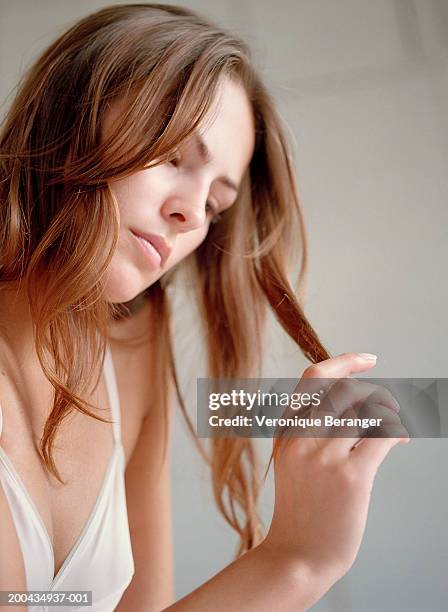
(228, 130)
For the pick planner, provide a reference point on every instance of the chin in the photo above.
(124, 283)
(120, 295)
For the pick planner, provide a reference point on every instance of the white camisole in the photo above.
(101, 560)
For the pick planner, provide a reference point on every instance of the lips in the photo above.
(157, 241)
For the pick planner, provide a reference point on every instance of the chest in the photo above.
(83, 448)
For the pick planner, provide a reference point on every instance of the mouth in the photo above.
(154, 247)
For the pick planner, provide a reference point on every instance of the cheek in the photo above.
(187, 243)
(137, 193)
(122, 190)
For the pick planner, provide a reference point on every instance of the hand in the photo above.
(323, 485)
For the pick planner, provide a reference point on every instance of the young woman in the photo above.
(142, 142)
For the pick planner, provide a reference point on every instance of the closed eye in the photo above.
(216, 215)
(175, 159)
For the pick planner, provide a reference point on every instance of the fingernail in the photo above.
(368, 356)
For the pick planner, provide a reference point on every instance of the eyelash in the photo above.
(216, 216)
(174, 161)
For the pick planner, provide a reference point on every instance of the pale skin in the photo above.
(322, 486)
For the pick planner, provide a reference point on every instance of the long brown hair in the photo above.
(59, 221)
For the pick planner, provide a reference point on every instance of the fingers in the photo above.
(341, 395)
(344, 439)
(317, 377)
(341, 366)
(351, 398)
(368, 455)
(348, 392)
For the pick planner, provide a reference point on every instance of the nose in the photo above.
(184, 204)
(185, 214)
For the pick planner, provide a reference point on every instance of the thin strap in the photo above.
(112, 391)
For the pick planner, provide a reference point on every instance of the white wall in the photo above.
(363, 86)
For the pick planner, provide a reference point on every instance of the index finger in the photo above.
(318, 376)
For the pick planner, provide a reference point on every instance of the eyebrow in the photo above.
(206, 156)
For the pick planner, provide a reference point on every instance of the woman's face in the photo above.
(175, 202)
